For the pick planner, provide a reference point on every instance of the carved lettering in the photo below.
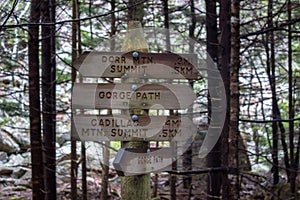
(150, 159)
(92, 132)
(114, 59)
(127, 69)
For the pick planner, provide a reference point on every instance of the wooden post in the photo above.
(135, 187)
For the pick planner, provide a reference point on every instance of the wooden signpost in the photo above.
(132, 96)
(123, 128)
(136, 90)
(149, 86)
(146, 65)
(135, 95)
(130, 162)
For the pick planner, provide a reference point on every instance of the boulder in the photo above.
(17, 128)
(6, 171)
(62, 138)
(16, 160)
(7, 143)
(25, 180)
(3, 157)
(18, 172)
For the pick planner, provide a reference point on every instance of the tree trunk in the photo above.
(135, 187)
(75, 40)
(166, 23)
(48, 96)
(172, 178)
(225, 67)
(293, 166)
(188, 154)
(234, 96)
(214, 157)
(83, 171)
(271, 73)
(105, 150)
(135, 12)
(105, 172)
(34, 102)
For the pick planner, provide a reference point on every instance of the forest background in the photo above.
(256, 45)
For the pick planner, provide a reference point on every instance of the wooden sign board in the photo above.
(146, 65)
(130, 162)
(123, 96)
(123, 128)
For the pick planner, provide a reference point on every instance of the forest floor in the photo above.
(9, 191)
(196, 190)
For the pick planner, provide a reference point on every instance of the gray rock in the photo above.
(18, 172)
(62, 138)
(21, 137)
(3, 156)
(16, 160)
(27, 176)
(23, 182)
(63, 167)
(7, 143)
(6, 171)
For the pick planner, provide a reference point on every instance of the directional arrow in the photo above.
(150, 65)
(132, 96)
(122, 128)
(129, 161)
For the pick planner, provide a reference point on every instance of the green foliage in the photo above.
(8, 64)
(115, 144)
(17, 198)
(3, 121)
(11, 108)
(61, 76)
